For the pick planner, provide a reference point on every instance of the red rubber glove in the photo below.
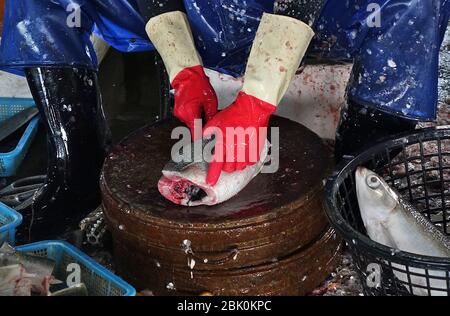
(247, 111)
(194, 95)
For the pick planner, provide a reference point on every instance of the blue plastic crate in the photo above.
(98, 280)
(9, 221)
(9, 162)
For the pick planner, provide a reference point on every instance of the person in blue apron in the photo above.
(394, 45)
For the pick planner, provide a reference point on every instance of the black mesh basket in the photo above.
(418, 166)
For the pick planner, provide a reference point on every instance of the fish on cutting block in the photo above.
(392, 221)
(184, 183)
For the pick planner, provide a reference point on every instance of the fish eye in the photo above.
(373, 182)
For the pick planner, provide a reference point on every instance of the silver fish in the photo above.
(184, 183)
(11, 281)
(39, 270)
(392, 221)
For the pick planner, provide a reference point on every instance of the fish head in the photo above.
(377, 201)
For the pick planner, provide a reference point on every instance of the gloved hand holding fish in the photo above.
(277, 52)
(26, 275)
(194, 94)
(392, 221)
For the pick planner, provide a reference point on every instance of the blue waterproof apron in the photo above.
(396, 61)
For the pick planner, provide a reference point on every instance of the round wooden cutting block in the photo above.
(276, 215)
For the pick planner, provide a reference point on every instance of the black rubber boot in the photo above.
(361, 126)
(78, 138)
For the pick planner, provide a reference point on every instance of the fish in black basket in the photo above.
(392, 221)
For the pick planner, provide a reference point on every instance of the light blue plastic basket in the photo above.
(98, 280)
(9, 221)
(9, 162)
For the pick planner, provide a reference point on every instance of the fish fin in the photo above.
(56, 282)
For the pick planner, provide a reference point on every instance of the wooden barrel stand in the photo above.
(271, 239)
